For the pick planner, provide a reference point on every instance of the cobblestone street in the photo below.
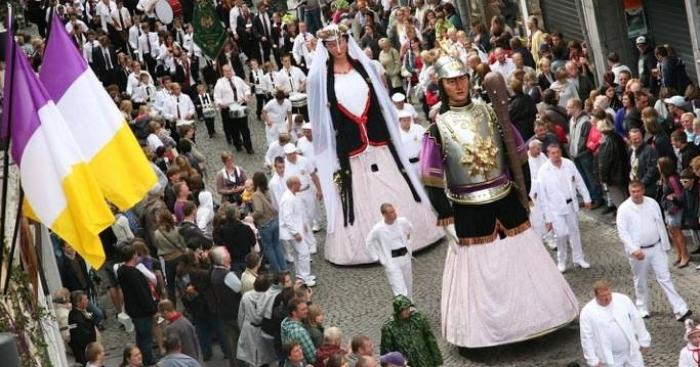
(358, 299)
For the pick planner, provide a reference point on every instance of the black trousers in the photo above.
(260, 99)
(150, 64)
(304, 111)
(236, 130)
(209, 122)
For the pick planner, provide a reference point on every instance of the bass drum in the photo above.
(164, 12)
(176, 6)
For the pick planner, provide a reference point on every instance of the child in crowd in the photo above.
(95, 354)
(690, 354)
(314, 324)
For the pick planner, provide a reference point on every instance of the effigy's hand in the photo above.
(452, 239)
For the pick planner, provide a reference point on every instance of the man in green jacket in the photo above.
(408, 332)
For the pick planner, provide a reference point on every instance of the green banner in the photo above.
(209, 33)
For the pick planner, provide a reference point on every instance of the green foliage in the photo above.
(20, 314)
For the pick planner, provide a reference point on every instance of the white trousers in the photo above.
(657, 259)
(399, 273)
(308, 197)
(302, 259)
(566, 230)
(633, 360)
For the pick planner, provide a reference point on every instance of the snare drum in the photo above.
(236, 111)
(209, 113)
(298, 99)
(164, 11)
(183, 122)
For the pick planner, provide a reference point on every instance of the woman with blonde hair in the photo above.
(672, 204)
(391, 61)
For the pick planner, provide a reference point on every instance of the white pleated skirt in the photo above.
(503, 292)
(376, 180)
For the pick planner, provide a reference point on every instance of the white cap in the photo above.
(306, 126)
(404, 113)
(290, 148)
(641, 40)
(677, 101)
(398, 97)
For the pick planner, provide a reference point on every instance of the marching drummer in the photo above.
(290, 78)
(261, 87)
(204, 105)
(293, 81)
(179, 107)
(275, 113)
(231, 95)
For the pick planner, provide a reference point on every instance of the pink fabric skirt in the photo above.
(503, 292)
(346, 246)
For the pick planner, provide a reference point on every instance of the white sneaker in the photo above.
(583, 264)
(315, 227)
(311, 277)
(551, 244)
(644, 314)
(310, 283)
(561, 267)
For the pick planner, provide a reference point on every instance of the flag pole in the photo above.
(6, 153)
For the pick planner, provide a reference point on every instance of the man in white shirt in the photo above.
(133, 37)
(642, 230)
(89, 46)
(121, 19)
(276, 113)
(295, 231)
(149, 48)
(290, 78)
(503, 64)
(276, 149)
(310, 191)
(75, 24)
(305, 144)
(558, 182)
(299, 44)
(388, 241)
(233, 15)
(104, 9)
(231, 91)
(179, 106)
(132, 81)
(277, 183)
(612, 331)
(399, 100)
(536, 159)
(411, 138)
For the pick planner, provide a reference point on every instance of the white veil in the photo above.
(324, 135)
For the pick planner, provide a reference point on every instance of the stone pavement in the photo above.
(358, 299)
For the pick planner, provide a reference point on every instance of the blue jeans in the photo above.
(144, 338)
(587, 167)
(205, 327)
(97, 315)
(272, 247)
(312, 17)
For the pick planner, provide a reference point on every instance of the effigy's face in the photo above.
(337, 48)
(457, 89)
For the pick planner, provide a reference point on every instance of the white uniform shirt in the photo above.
(597, 348)
(161, 98)
(386, 237)
(278, 186)
(273, 151)
(306, 148)
(223, 94)
(557, 185)
(291, 216)
(410, 109)
(79, 24)
(290, 80)
(412, 140)
(277, 112)
(233, 18)
(143, 93)
(149, 39)
(506, 68)
(126, 18)
(87, 50)
(257, 78)
(134, 34)
(105, 13)
(303, 168)
(299, 44)
(182, 104)
(632, 217)
(535, 163)
(132, 81)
